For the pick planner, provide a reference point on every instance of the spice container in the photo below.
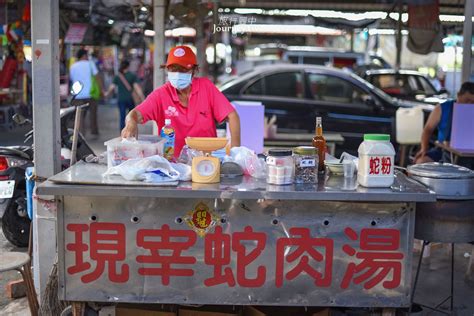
(306, 164)
(376, 161)
(280, 166)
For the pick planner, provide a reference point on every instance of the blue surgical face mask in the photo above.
(179, 80)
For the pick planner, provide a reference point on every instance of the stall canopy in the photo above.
(454, 7)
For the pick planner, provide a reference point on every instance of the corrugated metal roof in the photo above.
(446, 6)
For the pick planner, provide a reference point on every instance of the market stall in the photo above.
(238, 242)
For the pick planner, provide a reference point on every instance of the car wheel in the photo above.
(15, 221)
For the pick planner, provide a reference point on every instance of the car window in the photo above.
(415, 87)
(334, 89)
(256, 88)
(293, 59)
(284, 84)
(395, 84)
(427, 87)
(315, 60)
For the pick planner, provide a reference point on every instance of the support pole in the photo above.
(352, 39)
(201, 43)
(399, 36)
(214, 40)
(159, 42)
(45, 45)
(159, 11)
(467, 41)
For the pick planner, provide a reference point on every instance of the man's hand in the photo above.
(130, 130)
(131, 124)
(430, 126)
(420, 154)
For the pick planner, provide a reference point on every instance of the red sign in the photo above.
(375, 260)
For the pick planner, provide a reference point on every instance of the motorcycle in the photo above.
(14, 160)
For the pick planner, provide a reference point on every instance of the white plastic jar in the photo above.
(376, 161)
(280, 166)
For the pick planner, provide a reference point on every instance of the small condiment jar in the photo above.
(306, 164)
(376, 161)
(280, 166)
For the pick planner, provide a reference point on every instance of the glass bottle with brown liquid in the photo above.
(320, 143)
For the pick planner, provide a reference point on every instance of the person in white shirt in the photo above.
(82, 70)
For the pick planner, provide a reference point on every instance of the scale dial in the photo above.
(206, 168)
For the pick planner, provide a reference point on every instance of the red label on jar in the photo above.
(380, 165)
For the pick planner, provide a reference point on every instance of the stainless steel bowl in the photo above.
(450, 182)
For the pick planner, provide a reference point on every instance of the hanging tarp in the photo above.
(425, 34)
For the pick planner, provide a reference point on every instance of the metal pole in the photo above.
(201, 46)
(455, 67)
(45, 45)
(352, 40)
(467, 41)
(452, 278)
(399, 36)
(75, 135)
(159, 42)
(416, 276)
(214, 39)
(159, 11)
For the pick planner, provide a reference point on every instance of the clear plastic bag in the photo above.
(249, 161)
(187, 154)
(134, 169)
(157, 176)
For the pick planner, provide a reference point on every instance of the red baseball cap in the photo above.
(181, 55)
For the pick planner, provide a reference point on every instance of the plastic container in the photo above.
(168, 134)
(409, 125)
(376, 161)
(30, 186)
(281, 166)
(119, 150)
(306, 164)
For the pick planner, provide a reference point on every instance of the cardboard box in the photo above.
(145, 310)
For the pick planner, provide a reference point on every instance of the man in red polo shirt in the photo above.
(193, 105)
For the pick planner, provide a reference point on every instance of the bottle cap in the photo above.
(167, 121)
(380, 137)
(305, 150)
(318, 119)
(280, 152)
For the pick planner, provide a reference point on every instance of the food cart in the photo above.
(238, 242)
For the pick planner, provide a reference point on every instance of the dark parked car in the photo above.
(296, 94)
(406, 85)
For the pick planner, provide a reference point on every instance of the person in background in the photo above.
(83, 70)
(126, 83)
(441, 119)
(193, 105)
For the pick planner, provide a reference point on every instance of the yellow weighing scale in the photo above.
(206, 169)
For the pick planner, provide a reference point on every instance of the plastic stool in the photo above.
(20, 262)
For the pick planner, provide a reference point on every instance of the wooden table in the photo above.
(456, 153)
(293, 140)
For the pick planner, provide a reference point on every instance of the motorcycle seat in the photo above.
(25, 151)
